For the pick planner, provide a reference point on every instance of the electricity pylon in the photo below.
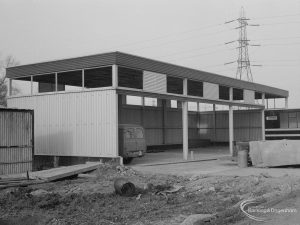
(243, 61)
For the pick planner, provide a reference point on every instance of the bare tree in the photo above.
(5, 63)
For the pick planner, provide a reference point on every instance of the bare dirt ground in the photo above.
(91, 199)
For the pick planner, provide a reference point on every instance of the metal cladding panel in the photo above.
(16, 141)
(241, 134)
(222, 135)
(75, 123)
(207, 133)
(249, 96)
(194, 133)
(255, 134)
(153, 117)
(241, 120)
(247, 126)
(155, 82)
(154, 136)
(206, 120)
(15, 160)
(174, 136)
(284, 119)
(210, 91)
(62, 65)
(174, 118)
(15, 128)
(130, 115)
(193, 120)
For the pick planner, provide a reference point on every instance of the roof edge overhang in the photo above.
(128, 60)
(69, 64)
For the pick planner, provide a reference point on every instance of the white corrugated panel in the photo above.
(74, 124)
(249, 96)
(155, 82)
(210, 91)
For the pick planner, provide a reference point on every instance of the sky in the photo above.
(190, 33)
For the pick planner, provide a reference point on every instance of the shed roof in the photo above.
(128, 60)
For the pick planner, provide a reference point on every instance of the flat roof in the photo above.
(142, 63)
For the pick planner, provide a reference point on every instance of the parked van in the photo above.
(132, 142)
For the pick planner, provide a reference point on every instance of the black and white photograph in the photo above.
(149, 112)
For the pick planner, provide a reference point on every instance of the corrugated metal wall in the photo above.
(249, 96)
(154, 82)
(210, 91)
(74, 124)
(247, 124)
(16, 141)
(289, 119)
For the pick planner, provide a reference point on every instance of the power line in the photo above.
(207, 53)
(279, 38)
(216, 65)
(169, 35)
(262, 39)
(220, 71)
(172, 34)
(268, 24)
(271, 17)
(191, 50)
(278, 65)
(210, 46)
(273, 44)
(281, 44)
(279, 60)
(180, 40)
(191, 31)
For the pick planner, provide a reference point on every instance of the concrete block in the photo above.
(275, 153)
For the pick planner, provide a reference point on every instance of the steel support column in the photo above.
(231, 130)
(9, 87)
(164, 115)
(82, 79)
(286, 103)
(115, 76)
(185, 128)
(231, 135)
(263, 118)
(185, 124)
(215, 123)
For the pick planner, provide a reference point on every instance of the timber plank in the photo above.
(62, 172)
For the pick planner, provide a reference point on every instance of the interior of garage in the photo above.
(208, 126)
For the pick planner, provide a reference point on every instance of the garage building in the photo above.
(80, 102)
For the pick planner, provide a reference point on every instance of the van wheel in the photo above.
(127, 160)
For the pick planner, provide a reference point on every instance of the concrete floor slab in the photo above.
(212, 160)
(176, 156)
(215, 168)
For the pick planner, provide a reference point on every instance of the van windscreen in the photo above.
(139, 133)
(128, 133)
